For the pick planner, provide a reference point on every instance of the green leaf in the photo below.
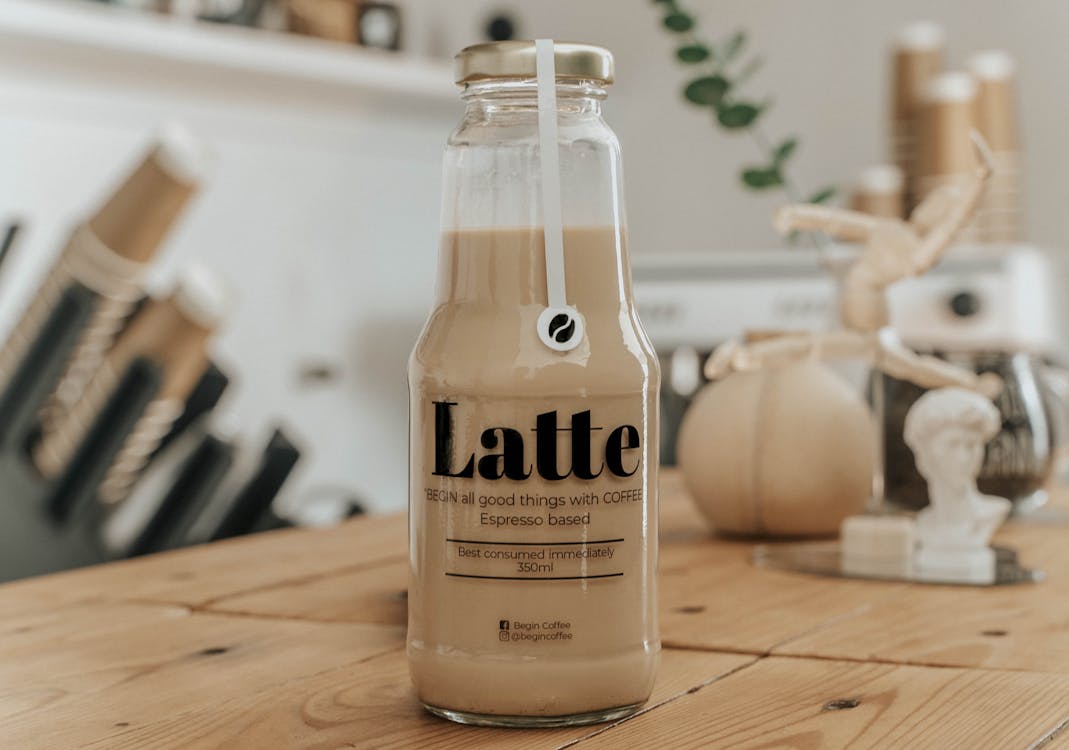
(693, 53)
(822, 196)
(678, 22)
(735, 116)
(784, 150)
(733, 47)
(762, 178)
(707, 91)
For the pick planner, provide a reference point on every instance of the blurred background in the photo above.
(325, 121)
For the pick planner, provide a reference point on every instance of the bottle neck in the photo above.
(504, 96)
(493, 248)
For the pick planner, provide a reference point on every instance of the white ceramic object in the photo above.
(947, 430)
(878, 546)
(947, 542)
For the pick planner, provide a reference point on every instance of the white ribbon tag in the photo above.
(560, 326)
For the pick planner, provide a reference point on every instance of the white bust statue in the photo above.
(947, 430)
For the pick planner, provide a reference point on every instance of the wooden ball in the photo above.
(784, 451)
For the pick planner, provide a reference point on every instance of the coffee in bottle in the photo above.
(533, 467)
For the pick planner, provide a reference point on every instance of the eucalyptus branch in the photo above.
(718, 90)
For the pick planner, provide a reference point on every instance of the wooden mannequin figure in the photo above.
(893, 249)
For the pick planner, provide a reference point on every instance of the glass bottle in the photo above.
(533, 468)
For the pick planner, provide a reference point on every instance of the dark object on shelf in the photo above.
(33, 378)
(239, 12)
(153, 6)
(205, 396)
(378, 25)
(965, 304)
(251, 507)
(149, 494)
(11, 232)
(79, 481)
(500, 28)
(31, 542)
(371, 24)
(325, 506)
(317, 373)
(1018, 459)
(192, 490)
(52, 525)
(59, 521)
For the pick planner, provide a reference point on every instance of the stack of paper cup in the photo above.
(1000, 217)
(109, 254)
(945, 156)
(174, 334)
(880, 191)
(918, 57)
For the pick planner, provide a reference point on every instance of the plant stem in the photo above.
(757, 135)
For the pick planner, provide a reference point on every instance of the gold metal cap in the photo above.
(516, 59)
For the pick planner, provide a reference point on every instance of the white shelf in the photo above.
(84, 34)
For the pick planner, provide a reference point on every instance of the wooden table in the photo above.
(294, 639)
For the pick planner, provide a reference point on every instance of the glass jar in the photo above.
(1018, 460)
(533, 468)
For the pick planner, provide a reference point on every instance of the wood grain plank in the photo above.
(995, 629)
(370, 705)
(293, 639)
(1023, 627)
(50, 626)
(197, 575)
(808, 704)
(31, 636)
(377, 594)
(712, 597)
(76, 688)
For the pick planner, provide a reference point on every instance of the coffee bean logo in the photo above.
(562, 328)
